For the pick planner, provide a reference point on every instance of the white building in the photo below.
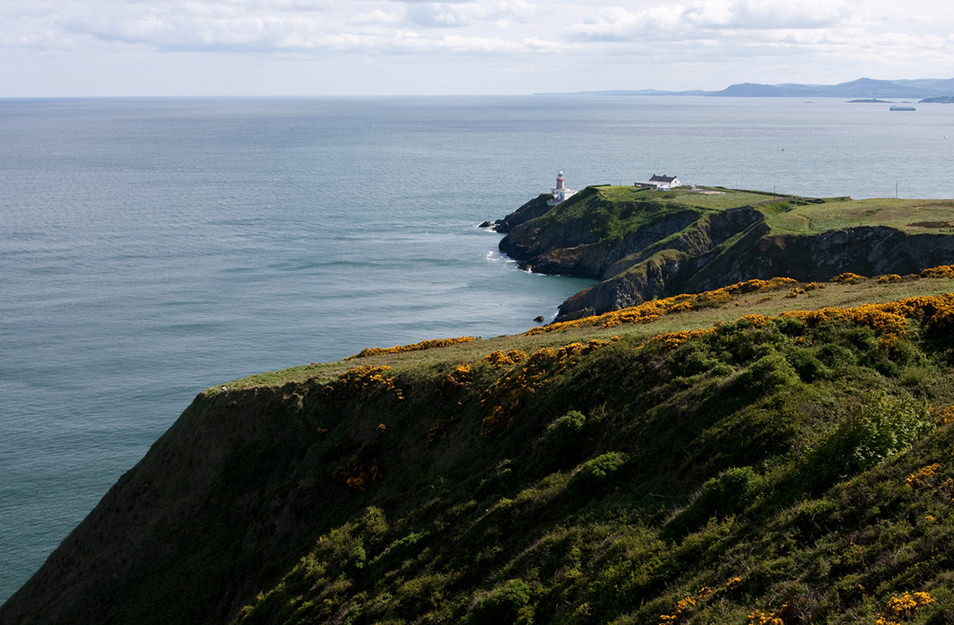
(560, 192)
(660, 183)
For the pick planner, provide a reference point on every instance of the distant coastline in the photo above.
(928, 89)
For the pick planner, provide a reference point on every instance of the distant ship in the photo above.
(898, 107)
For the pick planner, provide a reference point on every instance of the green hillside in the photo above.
(794, 469)
(769, 452)
(682, 312)
(617, 210)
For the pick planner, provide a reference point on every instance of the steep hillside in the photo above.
(648, 466)
(642, 244)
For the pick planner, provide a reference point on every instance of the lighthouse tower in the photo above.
(560, 192)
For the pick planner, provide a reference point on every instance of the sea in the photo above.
(151, 248)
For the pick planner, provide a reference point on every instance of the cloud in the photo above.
(620, 24)
(443, 14)
(605, 41)
(765, 15)
(691, 21)
(274, 25)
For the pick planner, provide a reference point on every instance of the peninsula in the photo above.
(641, 243)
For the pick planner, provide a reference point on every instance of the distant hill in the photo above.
(860, 88)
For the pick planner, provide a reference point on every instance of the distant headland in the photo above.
(660, 238)
(930, 89)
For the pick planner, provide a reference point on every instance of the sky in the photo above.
(64, 48)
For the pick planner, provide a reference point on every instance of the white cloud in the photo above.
(499, 12)
(721, 41)
(765, 15)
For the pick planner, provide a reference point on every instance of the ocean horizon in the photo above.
(154, 247)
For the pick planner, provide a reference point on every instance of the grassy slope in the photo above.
(609, 212)
(800, 215)
(621, 209)
(780, 470)
(767, 303)
(912, 216)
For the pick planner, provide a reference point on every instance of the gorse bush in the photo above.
(504, 605)
(562, 439)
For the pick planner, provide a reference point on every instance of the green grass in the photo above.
(765, 303)
(759, 469)
(912, 216)
(709, 198)
(792, 216)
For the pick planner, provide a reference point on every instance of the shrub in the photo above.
(596, 471)
(601, 466)
(561, 439)
(885, 427)
(835, 356)
(809, 367)
(848, 277)
(769, 372)
(724, 494)
(877, 429)
(697, 361)
(503, 605)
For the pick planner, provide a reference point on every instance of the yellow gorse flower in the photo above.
(685, 604)
(904, 607)
(397, 349)
(923, 475)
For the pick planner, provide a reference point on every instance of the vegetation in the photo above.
(790, 214)
(788, 468)
(619, 209)
(914, 216)
(681, 312)
(770, 452)
(641, 244)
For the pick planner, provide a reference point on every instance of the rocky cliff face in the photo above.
(690, 250)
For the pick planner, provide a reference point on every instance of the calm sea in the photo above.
(151, 248)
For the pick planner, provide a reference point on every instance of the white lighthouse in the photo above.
(560, 192)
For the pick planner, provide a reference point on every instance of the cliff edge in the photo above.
(641, 244)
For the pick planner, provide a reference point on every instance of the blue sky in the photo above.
(362, 47)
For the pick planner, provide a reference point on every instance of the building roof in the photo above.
(663, 178)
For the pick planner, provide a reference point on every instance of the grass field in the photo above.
(704, 197)
(912, 216)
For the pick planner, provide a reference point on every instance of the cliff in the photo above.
(213, 511)
(791, 465)
(642, 244)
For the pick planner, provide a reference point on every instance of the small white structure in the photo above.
(560, 192)
(660, 183)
